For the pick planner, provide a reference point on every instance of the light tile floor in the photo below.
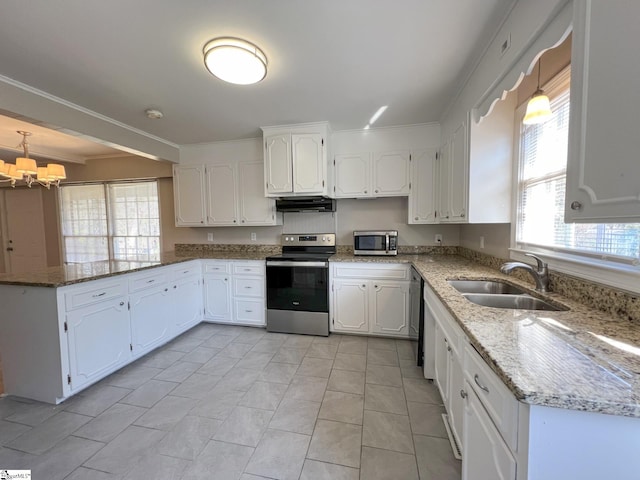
(229, 402)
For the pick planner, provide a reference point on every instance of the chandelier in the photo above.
(25, 169)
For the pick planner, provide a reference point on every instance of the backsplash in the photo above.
(594, 295)
(186, 249)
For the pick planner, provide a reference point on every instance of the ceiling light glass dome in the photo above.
(235, 60)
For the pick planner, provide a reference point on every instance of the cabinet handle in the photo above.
(247, 269)
(375, 286)
(166, 289)
(463, 394)
(121, 303)
(99, 295)
(448, 348)
(249, 311)
(186, 271)
(248, 288)
(576, 205)
(150, 281)
(225, 279)
(175, 286)
(476, 379)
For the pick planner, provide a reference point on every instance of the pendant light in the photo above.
(538, 108)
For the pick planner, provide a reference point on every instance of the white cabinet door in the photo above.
(278, 171)
(308, 163)
(217, 298)
(353, 175)
(253, 207)
(444, 187)
(187, 303)
(441, 363)
(485, 453)
(350, 306)
(603, 167)
(221, 194)
(189, 195)
(391, 173)
(390, 308)
(150, 318)
(99, 340)
(458, 184)
(455, 407)
(422, 197)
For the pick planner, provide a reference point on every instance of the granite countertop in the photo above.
(70, 274)
(580, 359)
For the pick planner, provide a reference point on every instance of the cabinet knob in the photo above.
(462, 215)
(365, 191)
(166, 289)
(363, 285)
(463, 394)
(448, 348)
(376, 191)
(175, 286)
(201, 221)
(242, 221)
(416, 218)
(225, 279)
(121, 303)
(576, 206)
(375, 286)
(234, 221)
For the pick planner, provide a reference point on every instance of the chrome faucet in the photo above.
(540, 275)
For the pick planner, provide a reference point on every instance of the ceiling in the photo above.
(334, 60)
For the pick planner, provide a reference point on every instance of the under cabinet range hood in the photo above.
(305, 204)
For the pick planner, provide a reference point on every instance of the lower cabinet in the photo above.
(150, 318)
(234, 292)
(370, 298)
(99, 341)
(486, 455)
(186, 309)
(217, 298)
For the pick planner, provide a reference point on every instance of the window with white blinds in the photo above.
(541, 193)
(110, 221)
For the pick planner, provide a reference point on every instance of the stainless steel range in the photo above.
(298, 284)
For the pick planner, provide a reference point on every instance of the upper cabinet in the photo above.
(603, 167)
(475, 165)
(377, 174)
(422, 198)
(295, 160)
(189, 195)
(230, 195)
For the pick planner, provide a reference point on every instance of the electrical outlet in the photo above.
(209, 237)
(438, 239)
(253, 236)
(481, 242)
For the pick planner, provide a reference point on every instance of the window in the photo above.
(110, 221)
(541, 192)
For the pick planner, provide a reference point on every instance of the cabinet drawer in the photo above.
(217, 267)
(151, 279)
(244, 269)
(79, 297)
(249, 311)
(499, 402)
(186, 270)
(393, 271)
(248, 287)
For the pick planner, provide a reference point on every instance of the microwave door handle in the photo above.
(387, 242)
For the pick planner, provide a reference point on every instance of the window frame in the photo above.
(109, 220)
(591, 266)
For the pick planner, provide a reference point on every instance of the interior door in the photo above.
(25, 240)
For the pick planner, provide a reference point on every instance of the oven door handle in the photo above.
(285, 263)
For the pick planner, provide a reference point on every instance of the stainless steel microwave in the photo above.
(375, 242)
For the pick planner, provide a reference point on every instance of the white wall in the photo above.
(496, 238)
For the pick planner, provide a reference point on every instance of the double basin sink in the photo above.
(497, 294)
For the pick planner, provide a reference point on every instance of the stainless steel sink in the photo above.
(485, 286)
(514, 302)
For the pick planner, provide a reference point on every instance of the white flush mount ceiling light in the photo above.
(235, 60)
(153, 113)
(538, 108)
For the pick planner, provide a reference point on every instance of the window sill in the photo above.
(620, 276)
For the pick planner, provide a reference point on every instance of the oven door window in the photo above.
(370, 242)
(298, 288)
